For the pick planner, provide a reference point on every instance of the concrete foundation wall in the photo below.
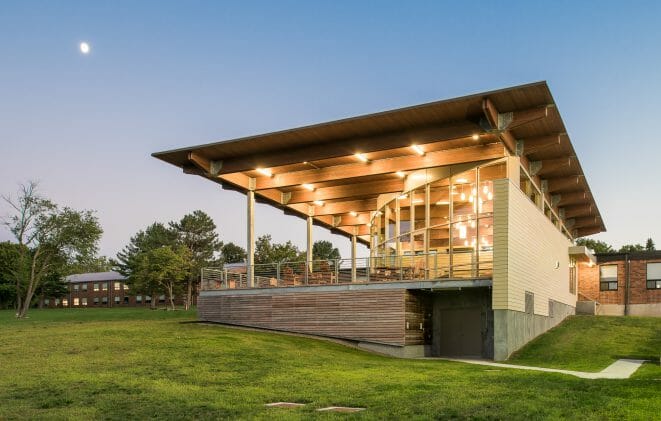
(513, 329)
(409, 351)
(647, 310)
(586, 307)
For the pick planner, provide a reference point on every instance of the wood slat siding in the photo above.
(415, 316)
(372, 316)
(526, 248)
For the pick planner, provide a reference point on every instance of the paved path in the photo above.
(620, 369)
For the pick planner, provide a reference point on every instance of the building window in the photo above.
(126, 287)
(138, 299)
(46, 301)
(75, 287)
(104, 286)
(126, 300)
(84, 287)
(117, 300)
(83, 301)
(608, 278)
(654, 276)
(104, 300)
(76, 302)
(96, 287)
(57, 302)
(530, 302)
(572, 276)
(118, 286)
(147, 299)
(96, 301)
(65, 302)
(161, 299)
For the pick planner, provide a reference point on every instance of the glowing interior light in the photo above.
(400, 174)
(361, 157)
(461, 181)
(472, 224)
(490, 196)
(476, 136)
(264, 171)
(418, 200)
(319, 202)
(473, 242)
(462, 231)
(485, 189)
(443, 202)
(418, 150)
(470, 198)
(352, 213)
(403, 196)
(466, 243)
(462, 196)
(474, 192)
(308, 187)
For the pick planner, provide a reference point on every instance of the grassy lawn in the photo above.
(590, 343)
(127, 364)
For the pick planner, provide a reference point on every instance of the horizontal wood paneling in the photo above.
(373, 316)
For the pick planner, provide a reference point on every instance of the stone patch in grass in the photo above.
(284, 405)
(340, 409)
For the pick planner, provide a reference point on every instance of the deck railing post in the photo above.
(277, 273)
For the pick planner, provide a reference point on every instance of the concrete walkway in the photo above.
(620, 369)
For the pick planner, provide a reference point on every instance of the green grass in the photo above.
(592, 343)
(128, 364)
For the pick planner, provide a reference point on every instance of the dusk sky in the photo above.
(163, 75)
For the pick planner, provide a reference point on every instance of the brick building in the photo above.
(100, 289)
(622, 284)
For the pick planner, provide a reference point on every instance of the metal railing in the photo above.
(392, 268)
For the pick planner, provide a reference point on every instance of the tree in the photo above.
(649, 245)
(595, 245)
(89, 265)
(53, 237)
(631, 248)
(53, 285)
(197, 232)
(268, 252)
(167, 266)
(128, 261)
(231, 253)
(11, 267)
(324, 250)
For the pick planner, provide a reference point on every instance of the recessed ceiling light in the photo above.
(264, 171)
(352, 213)
(401, 174)
(308, 187)
(361, 157)
(319, 202)
(418, 150)
(403, 196)
(461, 181)
(476, 136)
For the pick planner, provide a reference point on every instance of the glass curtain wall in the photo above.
(447, 222)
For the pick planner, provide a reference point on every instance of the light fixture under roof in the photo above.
(308, 187)
(443, 202)
(461, 180)
(361, 157)
(264, 171)
(318, 203)
(476, 136)
(403, 196)
(401, 174)
(418, 149)
(352, 213)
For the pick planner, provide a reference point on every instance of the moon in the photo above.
(84, 48)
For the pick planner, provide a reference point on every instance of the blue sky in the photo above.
(163, 75)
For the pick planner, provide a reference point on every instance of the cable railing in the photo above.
(394, 268)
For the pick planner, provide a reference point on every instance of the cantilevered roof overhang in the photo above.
(346, 164)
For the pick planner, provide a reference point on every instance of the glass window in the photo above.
(96, 287)
(83, 301)
(147, 299)
(65, 302)
(117, 299)
(608, 278)
(126, 300)
(439, 238)
(85, 287)
(96, 300)
(161, 299)
(439, 203)
(104, 286)
(75, 287)
(57, 302)
(126, 287)
(104, 300)
(76, 302)
(654, 275)
(118, 286)
(419, 208)
(46, 301)
(138, 298)
(404, 214)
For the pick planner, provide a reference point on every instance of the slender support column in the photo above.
(309, 244)
(250, 224)
(353, 258)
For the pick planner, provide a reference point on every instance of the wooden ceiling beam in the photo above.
(577, 211)
(336, 208)
(550, 166)
(564, 184)
(382, 166)
(519, 118)
(582, 232)
(573, 198)
(356, 190)
(536, 144)
(347, 147)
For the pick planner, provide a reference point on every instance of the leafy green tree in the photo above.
(167, 266)
(324, 250)
(52, 286)
(649, 245)
(52, 237)
(595, 245)
(10, 272)
(631, 248)
(89, 265)
(268, 252)
(197, 232)
(231, 253)
(129, 259)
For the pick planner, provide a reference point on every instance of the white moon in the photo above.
(84, 48)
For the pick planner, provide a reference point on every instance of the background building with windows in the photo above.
(622, 284)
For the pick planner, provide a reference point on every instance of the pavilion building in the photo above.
(469, 208)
